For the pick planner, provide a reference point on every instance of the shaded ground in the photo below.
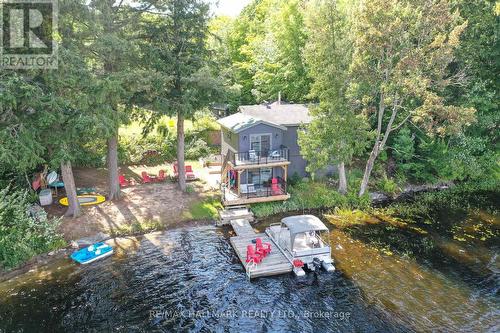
(142, 206)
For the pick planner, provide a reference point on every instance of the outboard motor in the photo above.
(316, 263)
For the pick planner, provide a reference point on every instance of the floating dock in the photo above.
(273, 264)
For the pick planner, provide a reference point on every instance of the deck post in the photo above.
(238, 182)
(285, 172)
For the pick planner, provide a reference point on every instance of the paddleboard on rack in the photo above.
(92, 253)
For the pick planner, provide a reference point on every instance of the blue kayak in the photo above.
(92, 253)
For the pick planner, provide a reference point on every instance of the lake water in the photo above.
(189, 279)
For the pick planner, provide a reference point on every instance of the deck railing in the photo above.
(259, 191)
(261, 157)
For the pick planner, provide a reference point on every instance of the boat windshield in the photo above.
(309, 240)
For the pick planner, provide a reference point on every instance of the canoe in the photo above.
(92, 253)
(85, 200)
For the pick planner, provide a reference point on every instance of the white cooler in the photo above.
(45, 197)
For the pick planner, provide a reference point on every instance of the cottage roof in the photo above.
(279, 113)
(240, 121)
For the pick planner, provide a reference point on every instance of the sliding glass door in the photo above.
(260, 143)
(260, 176)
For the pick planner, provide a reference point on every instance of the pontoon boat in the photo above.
(304, 241)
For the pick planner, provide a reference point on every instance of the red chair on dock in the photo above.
(252, 256)
(262, 248)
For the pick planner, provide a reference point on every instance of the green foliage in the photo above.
(388, 186)
(403, 147)
(134, 146)
(22, 236)
(461, 158)
(197, 148)
(307, 195)
(264, 47)
(207, 209)
(336, 134)
(461, 198)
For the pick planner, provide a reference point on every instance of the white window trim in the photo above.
(252, 136)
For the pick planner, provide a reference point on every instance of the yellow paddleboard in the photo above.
(85, 200)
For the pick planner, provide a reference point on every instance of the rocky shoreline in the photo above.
(380, 198)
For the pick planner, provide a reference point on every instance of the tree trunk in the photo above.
(180, 151)
(368, 171)
(379, 144)
(114, 184)
(342, 179)
(69, 186)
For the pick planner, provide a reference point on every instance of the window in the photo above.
(260, 176)
(260, 142)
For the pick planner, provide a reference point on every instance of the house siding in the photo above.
(298, 163)
(229, 140)
(276, 136)
(241, 143)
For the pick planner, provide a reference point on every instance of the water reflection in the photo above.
(193, 276)
(191, 279)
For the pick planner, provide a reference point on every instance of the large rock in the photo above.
(378, 197)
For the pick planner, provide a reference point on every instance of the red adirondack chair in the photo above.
(252, 256)
(123, 181)
(146, 178)
(187, 169)
(189, 172)
(161, 176)
(275, 187)
(262, 248)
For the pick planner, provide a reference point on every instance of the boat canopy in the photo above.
(303, 223)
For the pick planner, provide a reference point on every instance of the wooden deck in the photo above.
(275, 263)
(238, 201)
(249, 166)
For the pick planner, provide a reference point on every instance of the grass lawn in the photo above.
(134, 129)
(204, 210)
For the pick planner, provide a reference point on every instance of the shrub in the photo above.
(465, 196)
(197, 148)
(21, 235)
(388, 185)
(306, 195)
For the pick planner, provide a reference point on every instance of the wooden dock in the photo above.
(273, 264)
(234, 213)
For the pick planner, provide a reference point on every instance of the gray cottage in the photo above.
(260, 150)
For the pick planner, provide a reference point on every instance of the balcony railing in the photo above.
(248, 191)
(259, 157)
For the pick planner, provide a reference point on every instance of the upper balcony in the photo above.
(254, 158)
